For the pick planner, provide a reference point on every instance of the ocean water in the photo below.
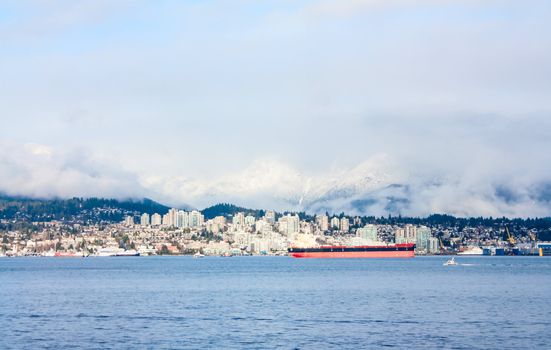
(275, 302)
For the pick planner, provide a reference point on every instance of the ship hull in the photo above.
(391, 251)
(354, 255)
(67, 255)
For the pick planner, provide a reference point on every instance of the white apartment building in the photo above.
(144, 219)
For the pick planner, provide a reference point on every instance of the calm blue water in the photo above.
(274, 302)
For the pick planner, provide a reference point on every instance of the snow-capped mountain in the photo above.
(374, 187)
(273, 184)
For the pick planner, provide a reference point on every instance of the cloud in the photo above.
(40, 171)
(35, 20)
(355, 7)
(377, 186)
(275, 104)
(38, 150)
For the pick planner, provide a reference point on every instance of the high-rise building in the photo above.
(182, 219)
(422, 238)
(282, 224)
(323, 222)
(411, 232)
(129, 221)
(238, 220)
(289, 225)
(166, 220)
(270, 216)
(399, 235)
(335, 223)
(293, 224)
(249, 220)
(195, 219)
(156, 220)
(408, 234)
(172, 217)
(144, 219)
(368, 232)
(434, 245)
(345, 224)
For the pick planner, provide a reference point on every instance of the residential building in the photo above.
(156, 220)
(422, 238)
(144, 219)
(249, 220)
(289, 225)
(238, 220)
(322, 222)
(368, 232)
(434, 246)
(344, 224)
(195, 219)
(129, 221)
(335, 223)
(182, 220)
(408, 234)
(270, 216)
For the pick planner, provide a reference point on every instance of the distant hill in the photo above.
(102, 210)
(227, 210)
(82, 210)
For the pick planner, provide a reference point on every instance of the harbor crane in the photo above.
(510, 238)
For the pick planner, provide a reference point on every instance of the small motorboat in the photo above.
(451, 262)
(198, 255)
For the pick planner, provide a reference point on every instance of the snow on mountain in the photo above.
(374, 187)
(263, 184)
(346, 183)
(274, 184)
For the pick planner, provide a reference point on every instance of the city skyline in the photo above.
(367, 107)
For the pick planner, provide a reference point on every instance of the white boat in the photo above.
(472, 251)
(450, 262)
(198, 255)
(130, 252)
(115, 251)
(109, 251)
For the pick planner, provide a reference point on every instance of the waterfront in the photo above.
(275, 302)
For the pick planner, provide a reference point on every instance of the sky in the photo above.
(280, 104)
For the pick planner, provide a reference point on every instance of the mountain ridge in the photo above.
(77, 209)
(92, 210)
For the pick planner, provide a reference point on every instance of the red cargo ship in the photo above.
(67, 255)
(402, 250)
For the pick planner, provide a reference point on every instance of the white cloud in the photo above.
(358, 7)
(40, 171)
(36, 20)
(377, 186)
(277, 104)
(39, 150)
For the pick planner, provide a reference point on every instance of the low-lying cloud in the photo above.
(378, 186)
(41, 171)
